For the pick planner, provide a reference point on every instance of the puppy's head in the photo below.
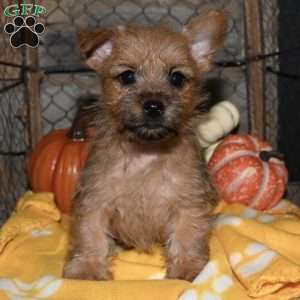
(151, 76)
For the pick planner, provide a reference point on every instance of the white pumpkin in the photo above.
(220, 121)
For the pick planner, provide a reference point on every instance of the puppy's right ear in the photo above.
(95, 47)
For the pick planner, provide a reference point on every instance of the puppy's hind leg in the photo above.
(91, 248)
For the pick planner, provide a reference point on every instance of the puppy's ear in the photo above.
(205, 35)
(96, 46)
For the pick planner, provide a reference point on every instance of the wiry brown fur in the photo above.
(136, 193)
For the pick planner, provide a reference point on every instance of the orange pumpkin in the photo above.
(244, 169)
(55, 163)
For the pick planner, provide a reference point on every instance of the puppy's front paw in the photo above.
(86, 269)
(186, 269)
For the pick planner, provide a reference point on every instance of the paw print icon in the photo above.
(24, 31)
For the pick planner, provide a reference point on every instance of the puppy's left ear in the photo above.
(205, 36)
(96, 46)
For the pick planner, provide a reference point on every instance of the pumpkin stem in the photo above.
(267, 155)
(77, 130)
(83, 118)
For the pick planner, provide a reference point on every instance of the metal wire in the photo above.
(65, 78)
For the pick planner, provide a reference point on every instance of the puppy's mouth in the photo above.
(152, 133)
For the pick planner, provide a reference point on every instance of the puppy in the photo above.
(145, 181)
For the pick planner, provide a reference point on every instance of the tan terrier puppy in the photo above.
(145, 181)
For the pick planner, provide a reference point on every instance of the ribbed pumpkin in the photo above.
(56, 162)
(244, 169)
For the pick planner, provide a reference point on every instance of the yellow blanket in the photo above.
(253, 255)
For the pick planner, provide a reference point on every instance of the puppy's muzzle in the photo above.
(153, 124)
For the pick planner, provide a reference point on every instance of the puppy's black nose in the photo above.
(154, 108)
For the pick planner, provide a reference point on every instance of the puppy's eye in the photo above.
(127, 77)
(177, 79)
